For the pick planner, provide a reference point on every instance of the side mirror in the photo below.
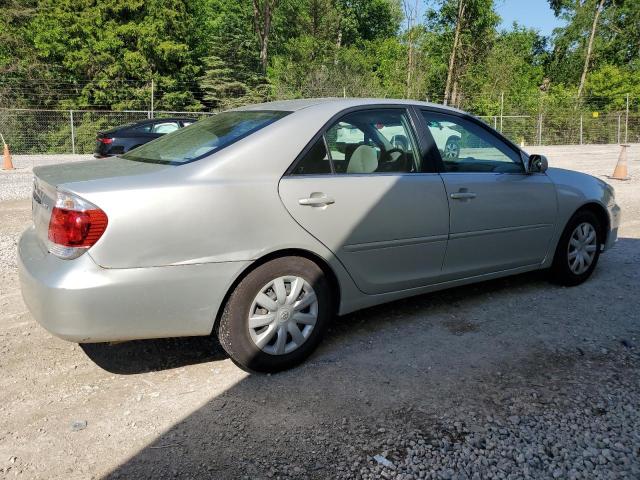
(536, 163)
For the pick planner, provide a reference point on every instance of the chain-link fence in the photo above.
(568, 129)
(30, 131)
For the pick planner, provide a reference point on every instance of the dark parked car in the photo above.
(121, 139)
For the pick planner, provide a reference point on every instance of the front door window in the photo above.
(467, 147)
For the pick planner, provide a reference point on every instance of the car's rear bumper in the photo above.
(78, 300)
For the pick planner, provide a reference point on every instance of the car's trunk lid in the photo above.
(47, 179)
(56, 175)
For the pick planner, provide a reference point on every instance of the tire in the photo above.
(452, 149)
(241, 342)
(561, 269)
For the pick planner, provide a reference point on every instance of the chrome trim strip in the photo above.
(359, 247)
(479, 233)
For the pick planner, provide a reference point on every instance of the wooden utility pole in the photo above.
(587, 59)
(454, 50)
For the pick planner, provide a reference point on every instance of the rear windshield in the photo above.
(203, 137)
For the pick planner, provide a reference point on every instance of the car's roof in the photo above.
(336, 104)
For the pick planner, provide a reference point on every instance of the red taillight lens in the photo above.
(105, 140)
(72, 228)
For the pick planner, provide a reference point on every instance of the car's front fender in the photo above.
(576, 190)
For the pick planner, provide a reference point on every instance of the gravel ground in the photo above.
(16, 184)
(513, 378)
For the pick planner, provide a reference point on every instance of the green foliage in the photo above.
(205, 54)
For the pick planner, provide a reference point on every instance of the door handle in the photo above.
(463, 195)
(319, 201)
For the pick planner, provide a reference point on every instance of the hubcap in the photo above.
(583, 244)
(283, 315)
(451, 150)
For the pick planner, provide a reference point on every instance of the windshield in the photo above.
(203, 137)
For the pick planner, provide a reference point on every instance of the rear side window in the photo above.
(315, 161)
(165, 127)
(204, 137)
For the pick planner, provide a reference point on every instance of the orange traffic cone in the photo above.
(7, 164)
(621, 171)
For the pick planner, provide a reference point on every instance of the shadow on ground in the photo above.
(143, 356)
(410, 362)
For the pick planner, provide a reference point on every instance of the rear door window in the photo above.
(373, 141)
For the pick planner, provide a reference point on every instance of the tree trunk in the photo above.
(410, 14)
(454, 51)
(587, 59)
(454, 94)
(262, 15)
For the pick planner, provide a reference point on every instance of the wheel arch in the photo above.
(601, 212)
(289, 252)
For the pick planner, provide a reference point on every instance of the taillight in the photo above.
(75, 225)
(105, 140)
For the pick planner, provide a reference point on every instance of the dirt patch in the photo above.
(460, 327)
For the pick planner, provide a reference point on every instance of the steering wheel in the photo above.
(387, 164)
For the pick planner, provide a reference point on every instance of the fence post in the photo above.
(619, 129)
(501, 109)
(495, 122)
(626, 123)
(581, 128)
(540, 129)
(152, 94)
(73, 133)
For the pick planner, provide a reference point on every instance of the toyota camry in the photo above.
(261, 224)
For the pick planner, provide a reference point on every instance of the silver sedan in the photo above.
(262, 223)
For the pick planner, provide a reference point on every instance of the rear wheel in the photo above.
(578, 250)
(452, 149)
(277, 315)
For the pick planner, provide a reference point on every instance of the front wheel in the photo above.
(277, 315)
(578, 250)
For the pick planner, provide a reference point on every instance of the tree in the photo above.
(583, 18)
(220, 87)
(262, 17)
(587, 57)
(108, 51)
(460, 16)
(514, 66)
(470, 26)
(410, 13)
(228, 53)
